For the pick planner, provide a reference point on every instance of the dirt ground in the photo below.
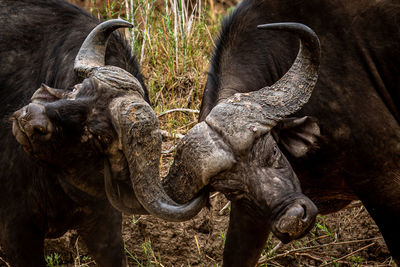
(346, 238)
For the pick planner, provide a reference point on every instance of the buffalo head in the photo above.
(247, 162)
(102, 129)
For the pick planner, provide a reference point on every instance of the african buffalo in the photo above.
(76, 157)
(344, 144)
(67, 154)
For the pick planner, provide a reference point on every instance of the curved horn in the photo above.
(93, 49)
(294, 89)
(140, 139)
(122, 199)
(245, 116)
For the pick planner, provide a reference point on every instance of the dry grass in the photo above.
(173, 41)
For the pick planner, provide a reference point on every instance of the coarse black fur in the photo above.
(39, 40)
(356, 103)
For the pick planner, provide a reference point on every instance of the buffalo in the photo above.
(81, 144)
(343, 145)
(65, 157)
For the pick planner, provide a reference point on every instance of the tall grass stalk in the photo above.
(173, 42)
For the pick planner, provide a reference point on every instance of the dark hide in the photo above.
(38, 43)
(356, 104)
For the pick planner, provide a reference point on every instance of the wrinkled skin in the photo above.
(356, 152)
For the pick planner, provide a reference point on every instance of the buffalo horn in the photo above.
(140, 138)
(293, 90)
(92, 51)
(138, 131)
(245, 116)
(120, 197)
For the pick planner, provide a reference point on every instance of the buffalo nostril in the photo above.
(296, 220)
(305, 215)
(39, 129)
(292, 221)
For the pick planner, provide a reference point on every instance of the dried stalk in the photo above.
(171, 135)
(348, 255)
(6, 263)
(224, 208)
(315, 247)
(180, 110)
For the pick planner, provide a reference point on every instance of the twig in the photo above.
(318, 246)
(180, 110)
(170, 150)
(274, 263)
(354, 204)
(278, 246)
(224, 208)
(171, 135)
(317, 238)
(197, 244)
(77, 261)
(215, 194)
(270, 253)
(208, 257)
(211, 38)
(157, 262)
(6, 263)
(310, 256)
(348, 255)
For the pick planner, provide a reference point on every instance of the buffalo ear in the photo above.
(297, 135)
(46, 94)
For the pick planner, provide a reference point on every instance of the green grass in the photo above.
(151, 258)
(53, 260)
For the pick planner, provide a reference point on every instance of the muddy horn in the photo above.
(245, 116)
(138, 132)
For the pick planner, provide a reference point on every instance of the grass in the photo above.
(53, 260)
(173, 41)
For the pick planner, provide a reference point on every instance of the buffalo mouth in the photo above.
(294, 219)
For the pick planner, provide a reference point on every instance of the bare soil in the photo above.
(346, 238)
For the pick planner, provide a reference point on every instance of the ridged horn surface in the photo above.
(93, 50)
(245, 116)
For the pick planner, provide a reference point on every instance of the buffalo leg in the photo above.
(103, 238)
(246, 237)
(23, 245)
(381, 197)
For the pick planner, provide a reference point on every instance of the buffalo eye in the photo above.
(276, 151)
(273, 156)
(276, 156)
